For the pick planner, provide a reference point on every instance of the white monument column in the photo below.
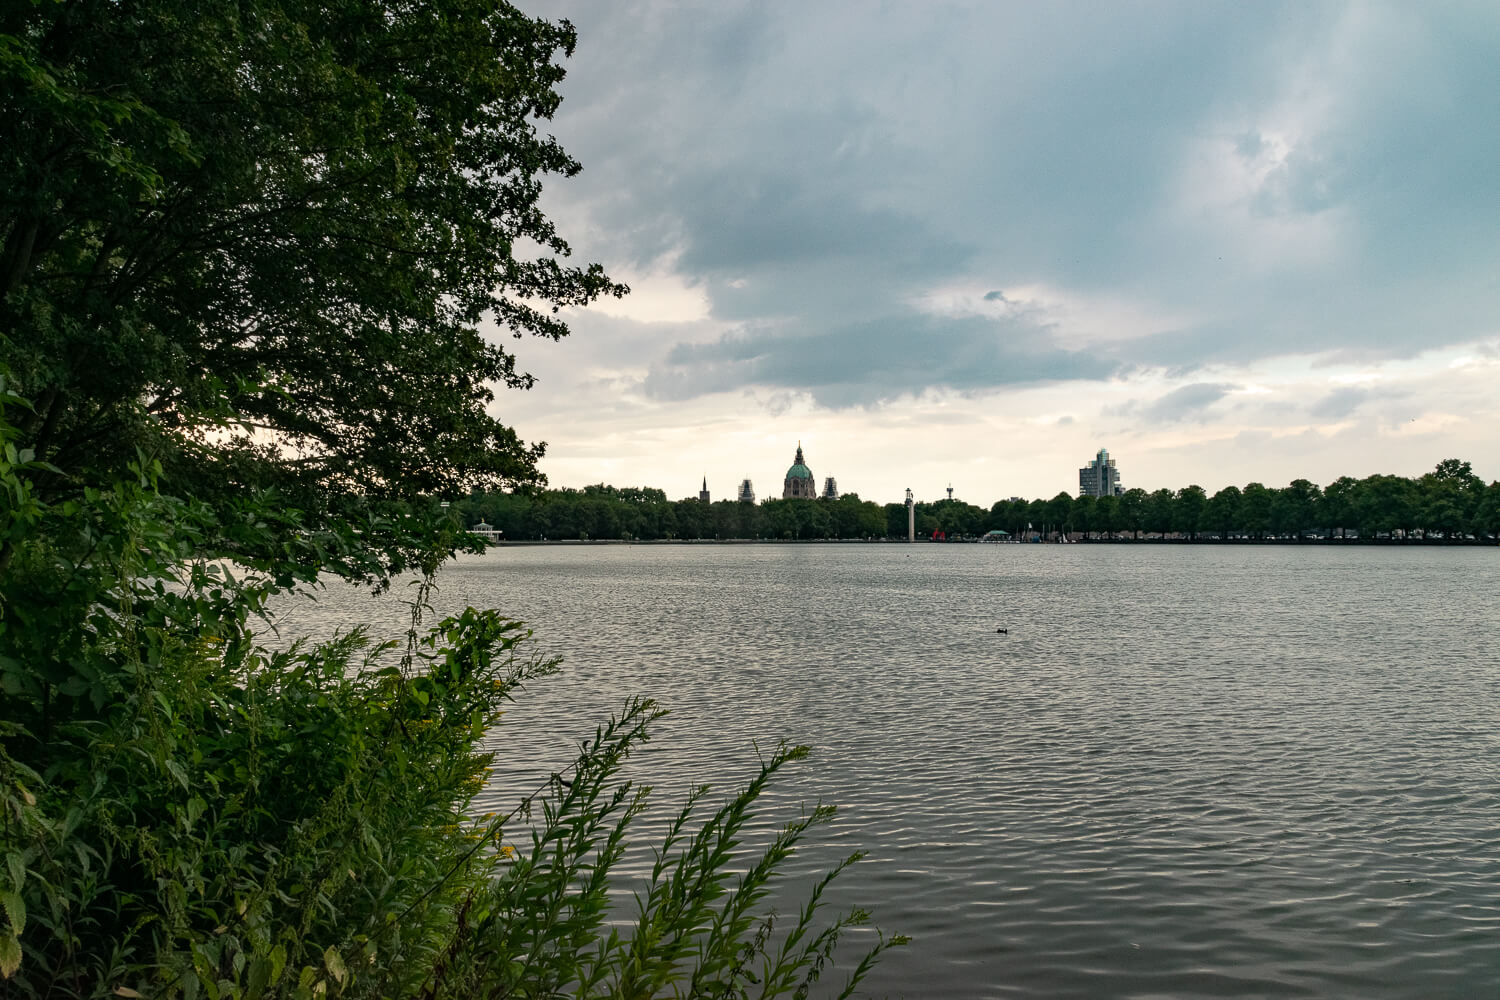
(911, 518)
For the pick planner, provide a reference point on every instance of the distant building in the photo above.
(1100, 478)
(747, 492)
(799, 480)
(830, 489)
(703, 493)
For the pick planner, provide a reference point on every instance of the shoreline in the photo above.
(1304, 542)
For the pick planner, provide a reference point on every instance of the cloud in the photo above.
(1299, 178)
(873, 361)
(1386, 402)
(1189, 402)
(1339, 404)
(1012, 211)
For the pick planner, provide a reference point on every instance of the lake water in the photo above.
(1185, 770)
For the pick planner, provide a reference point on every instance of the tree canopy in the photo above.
(1448, 504)
(252, 259)
(271, 244)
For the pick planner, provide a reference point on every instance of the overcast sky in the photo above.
(973, 243)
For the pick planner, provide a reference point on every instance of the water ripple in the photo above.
(1191, 771)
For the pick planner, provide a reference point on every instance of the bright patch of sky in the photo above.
(974, 243)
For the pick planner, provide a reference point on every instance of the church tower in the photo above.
(703, 493)
(799, 480)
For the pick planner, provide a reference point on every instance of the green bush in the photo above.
(185, 812)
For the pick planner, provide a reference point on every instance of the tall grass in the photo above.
(187, 812)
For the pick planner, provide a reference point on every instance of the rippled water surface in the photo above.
(1185, 771)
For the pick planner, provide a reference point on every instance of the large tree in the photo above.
(1449, 498)
(273, 243)
(251, 255)
(1082, 515)
(1188, 512)
(1255, 509)
(1223, 512)
(1133, 510)
(1160, 511)
(1295, 509)
(1487, 517)
(1386, 504)
(1338, 504)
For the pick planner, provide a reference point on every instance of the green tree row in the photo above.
(607, 512)
(1450, 503)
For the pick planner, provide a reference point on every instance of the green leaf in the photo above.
(15, 910)
(17, 869)
(177, 772)
(335, 964)
(258, 978)
(10, 955)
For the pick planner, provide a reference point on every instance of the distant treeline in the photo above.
(1449, 503)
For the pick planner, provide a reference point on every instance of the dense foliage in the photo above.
(249, 253)
(184, 812)
(263, 242)
(602, 512)
(1448, 504)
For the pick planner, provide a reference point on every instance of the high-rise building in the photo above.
(1100, 478)
(799, 479)
(830, 489)
(747, 492)
(703, 493)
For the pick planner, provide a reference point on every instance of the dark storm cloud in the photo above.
(775, 223)
(873, 361)
(1301, 178)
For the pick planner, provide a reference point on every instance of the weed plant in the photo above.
(185, 812)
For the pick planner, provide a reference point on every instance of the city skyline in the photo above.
(1237, 243)
(1085, 484)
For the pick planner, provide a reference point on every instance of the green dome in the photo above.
(799, 471)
